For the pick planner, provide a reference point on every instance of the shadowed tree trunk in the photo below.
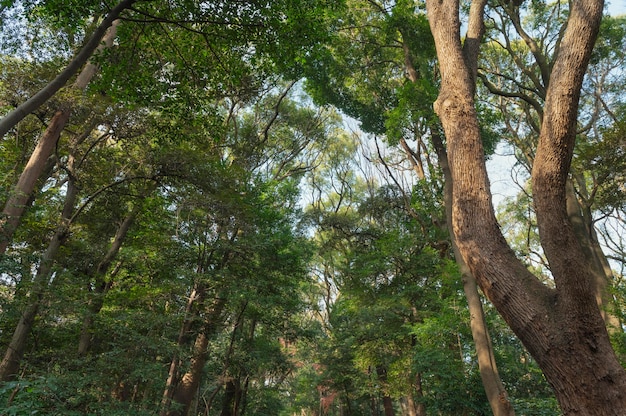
(582, 222)
(9, 367)
(232, 393)
(562, 327)
(186, 389)
(494, 389)
(195, 305)
(381, 372)
(101, 285)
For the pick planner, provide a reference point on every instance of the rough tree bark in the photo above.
(578, 200)
(16, 203)
(561, 327)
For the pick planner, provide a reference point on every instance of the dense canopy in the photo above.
(278, 207)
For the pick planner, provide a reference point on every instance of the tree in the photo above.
(23, 190)
(513, 68)
(12, 118)
(561, 326)
(390, 97)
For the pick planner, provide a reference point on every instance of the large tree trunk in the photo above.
(562, 327)
(17, 201)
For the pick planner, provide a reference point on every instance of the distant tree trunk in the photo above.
(582, 222)
(186, 388)
(407, 404)
(243, 396)
(381, 373)
(374, 405)
(188, 385)
(16, 203)
(231, 397)
(494, 389)
(562, 327)
(420, 409)
(194, 303)
(101, 284)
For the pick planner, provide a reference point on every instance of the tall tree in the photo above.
(12, 118)
(23, 190)
(393, 42)
(561, 326)
(513, 69)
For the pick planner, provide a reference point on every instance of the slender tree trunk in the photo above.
(195, 304)
(9, 367)
(17, 201)
(381, 373)
(188, 385)
(243, 396)
(93, 44)
(496, 393)
(101, 285)
(494, 389)
(420, 409)
(374, 405)
(230, 397)
(562, 327)
(196, 298)
(582, 223)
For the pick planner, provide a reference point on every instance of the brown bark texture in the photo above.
(561, 327)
